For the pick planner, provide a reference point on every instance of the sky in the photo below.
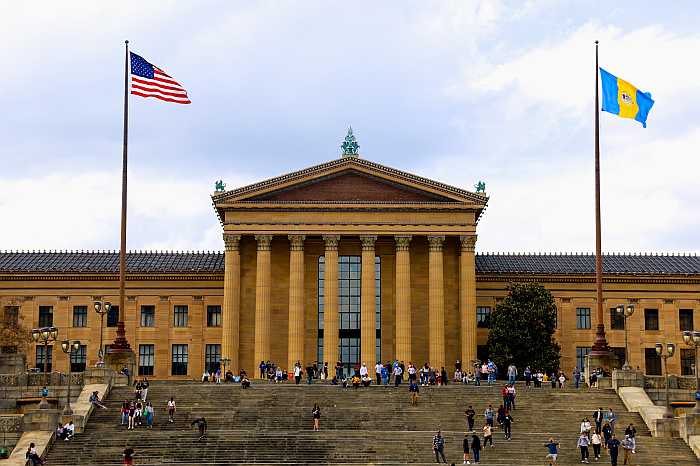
(456, 91)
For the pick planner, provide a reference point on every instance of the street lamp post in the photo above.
(626, 312)
(101, 309)
(693, 339)
(69, 348)
(670, 349)
(45, 335)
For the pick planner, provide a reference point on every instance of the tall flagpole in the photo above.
(120, 342)
(600, 345)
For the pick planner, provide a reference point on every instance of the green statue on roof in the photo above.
(350, 145)
(480, 187)
(220, 186)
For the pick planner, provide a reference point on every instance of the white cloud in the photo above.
(559, 74)
(82, 211)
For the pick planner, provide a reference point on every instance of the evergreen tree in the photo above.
(522, 329)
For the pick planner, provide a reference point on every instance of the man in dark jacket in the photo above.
(476, 447)
(598, 418)
(202, 426)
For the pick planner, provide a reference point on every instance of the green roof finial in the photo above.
(350, 145)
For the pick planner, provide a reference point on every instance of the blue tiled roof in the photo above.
(108, 262)
(584, 264)
(213, 262)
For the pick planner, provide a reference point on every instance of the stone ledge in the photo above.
(42, 440)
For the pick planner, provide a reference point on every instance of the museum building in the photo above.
(347, 261)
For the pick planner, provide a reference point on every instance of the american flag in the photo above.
(148, 80)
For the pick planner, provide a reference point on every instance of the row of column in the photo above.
(403, 350)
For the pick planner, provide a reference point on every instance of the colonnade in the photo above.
(403, 350)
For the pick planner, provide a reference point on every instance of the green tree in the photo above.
(522, 329)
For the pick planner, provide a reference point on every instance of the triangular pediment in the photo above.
(349, 185)
(344, 180)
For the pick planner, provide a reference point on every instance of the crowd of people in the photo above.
(138, 411)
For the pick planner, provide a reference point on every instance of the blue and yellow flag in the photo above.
(623, 99)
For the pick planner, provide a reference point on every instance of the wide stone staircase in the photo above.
(272, 424)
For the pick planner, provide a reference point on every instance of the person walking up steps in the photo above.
(316, 414)
(465, 448)
(488, 435)
(202, 426)
(439, 447)
(552, 452)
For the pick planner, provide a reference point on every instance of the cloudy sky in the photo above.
(456, 91)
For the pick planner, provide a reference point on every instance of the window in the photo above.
(349, 291)
(40, 358)
(11, 315)
(483, 317)
(113, 316)
(45, 316)
(687, 362)
(148, 317)
(180, 316)
(581, 353)
(179, 366)
(619, 353)
(147, 359)
(213, 316)
(617, 320)
(652, 361)
(378, 307)
(482, 353)
(350, 352)
(651, 319)
(321, 307)
(583, 318)
(79, 316)
(78, 358)
(212, 357)
(685, 319)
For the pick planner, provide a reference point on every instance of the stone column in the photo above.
(262, 302)
(295, 350)
(367, 303)
(331, 325)
(436, 303)
(467, 300)
(232, 301)
(403, 298)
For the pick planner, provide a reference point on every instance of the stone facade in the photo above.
(266, 283)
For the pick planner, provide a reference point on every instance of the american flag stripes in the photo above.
(148, 80)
